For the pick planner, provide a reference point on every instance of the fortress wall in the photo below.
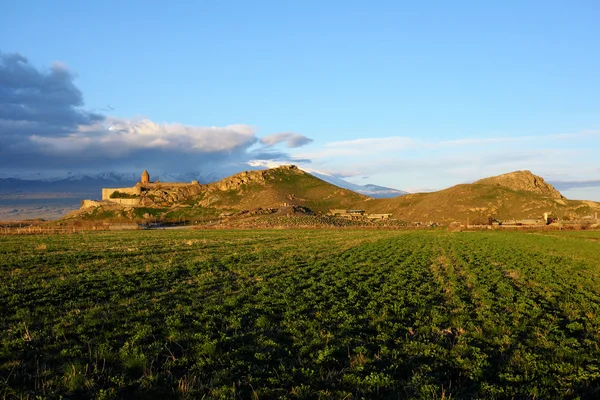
(126, 202)
(120, 227)
(379, 216)
(167, 185)
(106, 192)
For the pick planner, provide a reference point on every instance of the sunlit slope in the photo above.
(516, 195)
(274, 188)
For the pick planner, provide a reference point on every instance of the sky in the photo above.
(416, 96)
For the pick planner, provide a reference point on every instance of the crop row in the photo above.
(300, 314)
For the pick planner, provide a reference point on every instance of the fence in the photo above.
(45, 230)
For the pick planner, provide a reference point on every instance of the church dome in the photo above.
(145, 177)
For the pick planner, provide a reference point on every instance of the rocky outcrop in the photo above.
(242, 178)
(165, 195)
(524, 181)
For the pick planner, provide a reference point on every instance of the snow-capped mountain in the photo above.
(89, 185)
(368, 190)
(381, 191)
(85, 185)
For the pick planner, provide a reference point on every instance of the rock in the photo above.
(524, 181)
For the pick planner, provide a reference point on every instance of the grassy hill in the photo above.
(248, 190)
(275, 187)
(517, 195)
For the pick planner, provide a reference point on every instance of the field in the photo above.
(300, 314)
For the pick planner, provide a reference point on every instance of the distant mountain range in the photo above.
(370, 190)
(89, 185)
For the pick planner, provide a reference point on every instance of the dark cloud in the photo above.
(44, 127)
(291, 139)
(41, 102)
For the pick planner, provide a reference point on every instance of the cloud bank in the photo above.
(123, 137)
(416, 164)
(43, 125)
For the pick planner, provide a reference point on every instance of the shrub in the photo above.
(118, 195)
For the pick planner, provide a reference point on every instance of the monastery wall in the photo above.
(127, 202)
(106, 192)
(158, 185)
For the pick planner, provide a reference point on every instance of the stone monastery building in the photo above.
(131, 195)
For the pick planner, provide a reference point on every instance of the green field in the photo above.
(300, 314)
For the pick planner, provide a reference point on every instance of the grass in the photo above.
(286, 186)
(300, 314)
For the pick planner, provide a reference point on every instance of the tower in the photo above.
(145, 177)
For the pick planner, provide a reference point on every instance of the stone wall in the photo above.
(166, 185)
(126, 202)
(121, 226)
(379, 216)
(106, 192)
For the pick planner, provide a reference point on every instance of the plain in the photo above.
(300, 314)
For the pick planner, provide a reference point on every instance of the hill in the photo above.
(370, 190)
(523, 181)
(275, 187)
(284, 186)
(516, 195)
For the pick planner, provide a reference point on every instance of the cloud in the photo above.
(119, 143)
(43, 125)
(42, 101)
(122, 137)
(292, 140)
(567, 185)
(418, 163)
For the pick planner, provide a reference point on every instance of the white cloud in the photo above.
(415, 164)
(266, 163)
(123, 136)
(291, 139)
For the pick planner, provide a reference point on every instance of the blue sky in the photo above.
(416, 96)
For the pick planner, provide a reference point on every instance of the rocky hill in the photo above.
(523, 181)
(285, 186)
(275, 187)
(516, 195)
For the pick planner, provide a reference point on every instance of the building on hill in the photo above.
(357, 214)
(131, 195)
(378, 216)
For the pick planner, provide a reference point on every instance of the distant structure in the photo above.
(357, 214)
(145, 177)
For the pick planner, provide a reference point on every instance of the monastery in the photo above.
(132, 196)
